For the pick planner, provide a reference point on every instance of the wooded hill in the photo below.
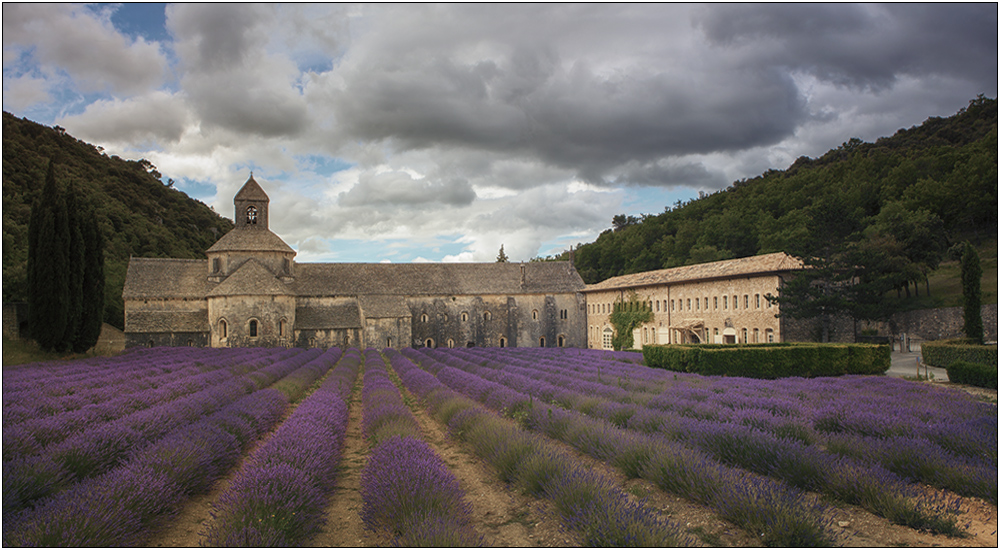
(930, 186)
(137, 213)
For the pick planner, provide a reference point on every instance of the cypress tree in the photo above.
(74, 254)
(48, 280)
(92, 305)
(972, 294)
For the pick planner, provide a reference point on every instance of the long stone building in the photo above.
(721, 302)
(249, 291)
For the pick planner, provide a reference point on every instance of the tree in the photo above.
(74, 264)
(48, 278)
(972, 294)
(92, 306)
(501, 257)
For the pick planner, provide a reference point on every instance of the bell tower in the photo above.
(251, 207)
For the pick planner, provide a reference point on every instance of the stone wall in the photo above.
(15, 320)
(944, 323)
(526, 320)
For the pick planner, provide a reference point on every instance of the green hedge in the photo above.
(770, 360)
(974, 374)
(942, 353)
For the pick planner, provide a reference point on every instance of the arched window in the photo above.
(756, 335)
(223, 329)
(190, 343)
(561, 340)
(252, 330)
(744, 334)
(769, 336)
(282, 324)
(486, 316)
(541, 342)
(451, 343)
(503, 342)
(534, 315)
(429, 343)
(423, 318)
(388, 342)
(465, 316)
(251, 215)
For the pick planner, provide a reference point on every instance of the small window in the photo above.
(445, 317)
(503, 342)
(423, 318)
(736, 302)
(715, 302)
(288, 265)
(689, 304)
(282, 327)
(486, 316)
(756, 335)
(561, 341)
(541, 342)
(223, 329)
(253, 328)
(465, 316)
(534, 315)
(746, 301)
(216, 265)
(429, 343)
(451, 343)
(725, 302)
(744, 333)
(388, 342)
(251, 215)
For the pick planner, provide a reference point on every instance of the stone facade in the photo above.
(717, 302)
(250, 292)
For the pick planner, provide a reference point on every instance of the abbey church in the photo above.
(251, 292)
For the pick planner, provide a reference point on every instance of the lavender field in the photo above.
(112, 451)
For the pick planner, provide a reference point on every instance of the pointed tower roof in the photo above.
(251, 191)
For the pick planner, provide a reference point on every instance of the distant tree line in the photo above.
(65, 270)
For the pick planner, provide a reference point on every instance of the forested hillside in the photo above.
(138, 214)
(912, 195)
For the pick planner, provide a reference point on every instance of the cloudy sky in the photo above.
(437, 133)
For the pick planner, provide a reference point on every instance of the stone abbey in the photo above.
(250, 291)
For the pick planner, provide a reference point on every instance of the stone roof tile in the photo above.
(251, 191)
(435, 279)
(250, 240)
(251, 279)
(776, 262)
(166, 278)
(327, 317)
(384, 307)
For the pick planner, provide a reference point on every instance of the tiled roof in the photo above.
(250, 240)
(383, 307)
(251, 191)
(160, 278)
(327, 317)
(251, 279)
(167, 321)
(443, 279)
(776, 262)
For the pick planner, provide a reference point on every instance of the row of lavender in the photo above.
(41, 459)
(945, 439)
(279, 497)
(408, 492)
(32, 393)
(141, 483)
(699, 461)
(589, 503)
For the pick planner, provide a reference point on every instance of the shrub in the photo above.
(974, 374)
(770, 360)
(942, 353)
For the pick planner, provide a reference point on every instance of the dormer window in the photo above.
(251, 215)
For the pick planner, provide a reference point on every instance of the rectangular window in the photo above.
(746, 301)
(715, 302)
(736, 302)
(756, 299)
(689, 304)
(725, 302)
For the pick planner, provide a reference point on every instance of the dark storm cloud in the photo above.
(567, 113)
(229, 79)
(401, 189)
(865, 45)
